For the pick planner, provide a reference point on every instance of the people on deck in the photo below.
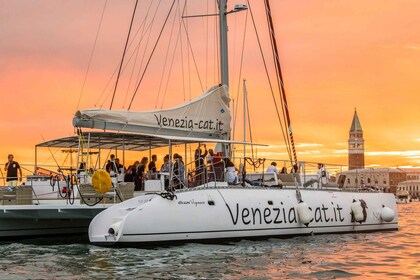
(165, 169)
(111, 166)
(131, 172)
(283, 170)
(165, 165)
(120, 167)
(179, 170)
(152, 167)
(140, 175)
(231, 176)
(12, 167)
(323, 174)
(200, 170)
(295, 169)
(273, 168)
(211, 159)
(120, 170)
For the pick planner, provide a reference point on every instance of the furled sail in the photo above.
(207, 116)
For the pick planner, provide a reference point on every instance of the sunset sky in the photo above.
(335, 55)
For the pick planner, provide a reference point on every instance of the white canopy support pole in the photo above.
(36, 159)
(244, 119)
(185, 161)
(170, 163)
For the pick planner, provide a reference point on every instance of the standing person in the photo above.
(111, 166)
(210, 163)
(12, 168)
(141, 172)
(199, 157)
(152, 167)
(273, 168)
(323, 174)
(165, 169)
(120, 170)
(139, 177)
(179, 170)
(131, 172)
(165, 165)
(199, 164)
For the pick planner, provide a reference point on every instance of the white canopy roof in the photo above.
(128, 141)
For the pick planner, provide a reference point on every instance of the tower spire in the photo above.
(356, 142)
(355, 124)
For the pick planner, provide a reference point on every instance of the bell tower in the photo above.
(356, 144)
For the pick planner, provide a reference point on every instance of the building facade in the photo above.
(385, 179)
(356, 145)
(412, 187)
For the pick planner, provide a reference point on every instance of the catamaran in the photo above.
(210, 207)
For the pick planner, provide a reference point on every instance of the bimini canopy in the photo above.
(127, 141)
(208, 116)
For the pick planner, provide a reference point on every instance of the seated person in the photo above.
(231, 176)
(273, 168)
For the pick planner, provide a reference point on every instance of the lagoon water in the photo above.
(381, 255)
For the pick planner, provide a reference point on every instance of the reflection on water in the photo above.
(381, 255)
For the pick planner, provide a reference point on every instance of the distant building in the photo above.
(356, 145)
(412, 187)
(386, 179)
(412, 173)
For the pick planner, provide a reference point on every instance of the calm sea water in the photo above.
(383, 255)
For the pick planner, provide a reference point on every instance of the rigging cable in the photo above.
(116, 68)
(249, 125)
(166, 60)
(170, 71)
(147, 41)
(193, 57)
(142, 26)
(151, 55)
(122, 59)
(286, 139)
(240, 75)
(91, 55)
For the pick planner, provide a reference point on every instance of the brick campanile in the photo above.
(356, 144)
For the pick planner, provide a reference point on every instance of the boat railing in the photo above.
(305, 174)
(201, 172)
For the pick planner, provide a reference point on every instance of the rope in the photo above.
(166, 60)
(193, 57)
(169, 195)
(91, 55)
(137, 49)
(269, 81)
(249, 125)
(116, 68)
(240, 75)
(125, 49)
(280, 81)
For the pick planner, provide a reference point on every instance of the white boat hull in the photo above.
(205, 214)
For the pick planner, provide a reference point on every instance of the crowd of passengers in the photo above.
(209, 166)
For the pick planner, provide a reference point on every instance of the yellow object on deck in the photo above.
(101, 181)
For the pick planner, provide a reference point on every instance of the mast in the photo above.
(224, 64)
